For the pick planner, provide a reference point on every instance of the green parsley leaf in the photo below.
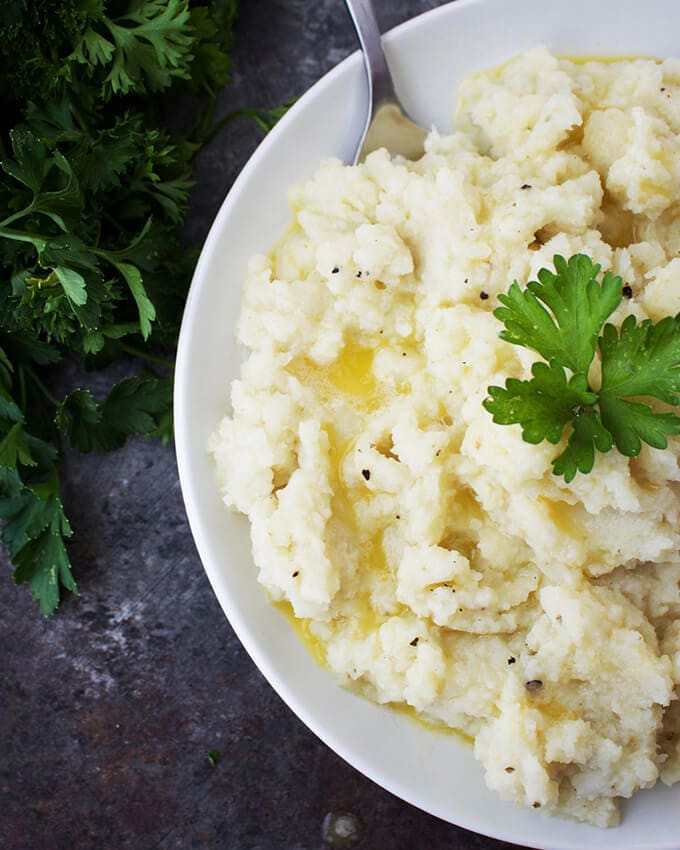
(147, 312)
(135, 406)
(80, 417)
(586, 435)
(34, 531)
(144, 48)
(36, 169)
(543, 405)
(578, 306)
(642, 359)
(14, 449)
(73, 283)
(44, 561)
(638, 361)
(632, 422)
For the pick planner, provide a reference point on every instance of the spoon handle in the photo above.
(380, 83)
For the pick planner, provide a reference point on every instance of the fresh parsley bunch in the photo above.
(93, 194)
(562, 316)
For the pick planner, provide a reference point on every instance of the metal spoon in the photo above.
(387, 124)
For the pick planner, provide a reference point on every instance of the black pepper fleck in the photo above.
(467, 280)
(526, 186)
(366, 473)
(663, 88)
(483, 295)
(627, 291)
(536, 805)
(511, 660)
(534, 685)
(509, 769)
(335, 270)
(414, 642)
(403, 354)
(296, 573)
(398, 516)
(358, 274)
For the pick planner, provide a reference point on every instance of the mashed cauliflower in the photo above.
(433, 554)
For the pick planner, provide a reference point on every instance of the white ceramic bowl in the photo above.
(429, 55)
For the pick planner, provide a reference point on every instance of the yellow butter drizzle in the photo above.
(351, 377)
(410, 712)
(302, 628)
(348, 378)
(350, 374)
(317, 649)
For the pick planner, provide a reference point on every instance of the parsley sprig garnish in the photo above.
(562, 316)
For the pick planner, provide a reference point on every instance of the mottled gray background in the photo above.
(109, 709)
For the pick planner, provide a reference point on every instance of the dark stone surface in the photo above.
(108, 710)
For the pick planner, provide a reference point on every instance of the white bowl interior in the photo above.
(429, 55)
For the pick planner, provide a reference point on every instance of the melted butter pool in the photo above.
(350, 375)
(352, 372)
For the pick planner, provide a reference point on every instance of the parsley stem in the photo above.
(39, 384)
(17, 215)
(253, 114)
(145, 355)
(22, 387)
(19, 236)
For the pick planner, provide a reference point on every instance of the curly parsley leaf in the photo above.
(142, 49)
(135, 406)
(638, 361)
(578, 307)
(543, 405)
(642, 360)
(50, 179)
(587, 434)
